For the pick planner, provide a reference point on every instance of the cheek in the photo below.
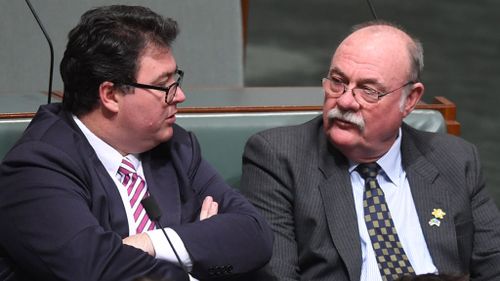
(153, 123)
(383, 123)
(327, 106)
(142, 121)
(150, 116)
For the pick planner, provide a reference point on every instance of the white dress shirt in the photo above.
(394, 183)
(111, 160)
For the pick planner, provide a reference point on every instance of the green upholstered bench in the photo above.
(10, 131)
(223, 135)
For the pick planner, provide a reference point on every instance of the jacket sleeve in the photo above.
(48, 229)
(267, 184)
(486, 224)
(237, 240)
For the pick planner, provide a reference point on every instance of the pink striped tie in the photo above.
(136, 190)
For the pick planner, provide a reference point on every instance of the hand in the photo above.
(141, 241)
(208, 208)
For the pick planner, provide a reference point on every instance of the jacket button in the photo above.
(211, 271)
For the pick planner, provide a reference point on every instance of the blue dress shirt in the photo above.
(394, 183)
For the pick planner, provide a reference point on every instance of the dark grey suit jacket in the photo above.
(301, 183)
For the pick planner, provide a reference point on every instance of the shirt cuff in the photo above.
(163, 249)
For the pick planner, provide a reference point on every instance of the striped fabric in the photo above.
(136, 190)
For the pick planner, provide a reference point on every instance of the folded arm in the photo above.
(54, 227)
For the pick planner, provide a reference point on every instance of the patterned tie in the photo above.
(391, 258)
(136, 190)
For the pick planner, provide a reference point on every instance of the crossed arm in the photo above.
(142, 241)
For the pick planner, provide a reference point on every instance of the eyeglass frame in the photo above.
(376, 94)
(168, 98)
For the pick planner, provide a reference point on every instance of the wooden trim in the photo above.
(17, 115)
(248, 109)
(447, 108)
(449, 111)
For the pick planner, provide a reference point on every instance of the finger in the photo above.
(205, 207)
(140, 241)
(214, 209)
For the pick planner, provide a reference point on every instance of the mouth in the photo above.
(344, 124)
(171, 117)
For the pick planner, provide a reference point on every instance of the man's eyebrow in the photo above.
(364, 81)
(165, 76)
(336, 70)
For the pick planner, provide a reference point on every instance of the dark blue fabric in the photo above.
(62, 217)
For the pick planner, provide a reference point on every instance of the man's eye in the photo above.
(163, 84)
(370, 91)
(337, 80)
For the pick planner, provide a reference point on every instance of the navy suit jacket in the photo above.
(61, 216)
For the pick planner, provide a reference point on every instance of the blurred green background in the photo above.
(290, 43)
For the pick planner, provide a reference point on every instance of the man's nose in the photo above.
(348, 100)
(179, 95)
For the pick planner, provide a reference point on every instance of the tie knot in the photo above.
(368, 170)
(126, 167)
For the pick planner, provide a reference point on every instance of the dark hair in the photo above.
(106, 46)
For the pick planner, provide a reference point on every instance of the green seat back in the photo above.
(222, 136)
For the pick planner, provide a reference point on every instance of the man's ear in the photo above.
(416, 93)
(108, 95)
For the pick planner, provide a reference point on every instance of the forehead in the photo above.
(380, 54)
(156, 59)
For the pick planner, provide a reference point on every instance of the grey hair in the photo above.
(415, 48)
(404, 95)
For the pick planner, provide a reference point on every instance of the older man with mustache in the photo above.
(358, 194)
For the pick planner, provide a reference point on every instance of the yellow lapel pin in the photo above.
(438, 215)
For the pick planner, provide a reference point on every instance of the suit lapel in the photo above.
(117, 213)
(429, 192)
(163, 185)
(116, 217)
(338, 201)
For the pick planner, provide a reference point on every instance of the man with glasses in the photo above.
(72, 188)
(356, 194)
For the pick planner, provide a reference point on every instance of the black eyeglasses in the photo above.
(335, 88)
(170, 90)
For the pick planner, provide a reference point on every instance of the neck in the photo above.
(103, 128)
(362, 158)
(366, 154)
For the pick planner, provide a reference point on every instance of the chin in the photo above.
(343, 138)
(166, 134)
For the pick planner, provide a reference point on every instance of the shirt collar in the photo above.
(109, 157)
(390, 162)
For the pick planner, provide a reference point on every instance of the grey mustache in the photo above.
(347, 116)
